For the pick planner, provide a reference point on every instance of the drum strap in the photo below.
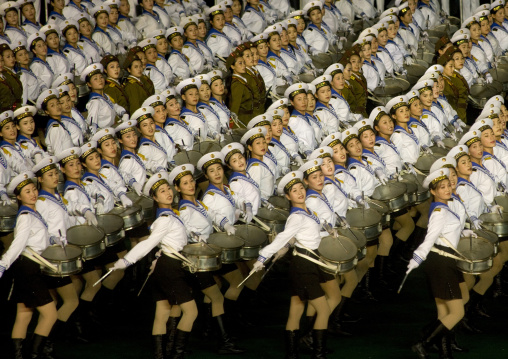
(446, 254)
(315, 261)
(171, 252)
(37, 258)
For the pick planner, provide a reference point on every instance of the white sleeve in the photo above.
(21, 236)
(159, 229)
(75, 204)
(437, 222)
(292, 227)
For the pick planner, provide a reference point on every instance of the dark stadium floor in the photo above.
(392, 326)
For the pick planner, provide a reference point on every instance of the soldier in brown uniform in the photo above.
(114, 89)
(9, 61)
(240, 96)
(358, 83)
(254, 79)
(7, 99)
(456, 89)
(136, 88)
(346, 91)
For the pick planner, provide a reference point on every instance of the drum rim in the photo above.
(90, 244)
(68, 246)
(218, 249)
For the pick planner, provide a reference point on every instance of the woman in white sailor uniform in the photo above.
(220, 44)
(71, 125)
(149, 20)
(403, 137)
(273, 58)
(369, 68)
(16, 160)
(211, 116)
(101, 111)
(56, 15)
(300, 125)
(31, 291)
(57, 138)
(24, 117)
(257, 168)
(201, 34)
(154, 157)
(497, 28)
(277, 149)
(39, 66)
(90, 48)
(217, 99)
(416, 124)
(230, 29)
(268, 158)
(188, 90)
(30, 24)
(179, 62)
(131, 167)
(32, 85)
(288, 138)
(254, 17)
(75, 10)
(191, 49)
(293, 56)
(55, 57)
(446, 281)
(324, 111)
(9, 10)
(171, 287)
(162, 137)
(338, 102)
(159, 80)
(297, 46)
(308, 281)
(487, 40)
(198, 223)
(409, 32)
(268, 73)
(316, 34)
(181, 133)
(100, 34)
(74, 52)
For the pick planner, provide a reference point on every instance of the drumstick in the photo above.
(144, 283)
(402, 284)
(61, 243)
(349, 229)
(268, 269)
(103, 277)
(258, 221)
(42, 260)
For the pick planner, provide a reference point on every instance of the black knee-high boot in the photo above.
(445, 350)
(319, 339)
(55, 334)
(291, 339)
(207, 320)
(181, 339)
(170, 334)
(37, 346)
(226, 344)
(18, 348)
(306, 339)
(335, 320)
(432, 332)
(158, 346)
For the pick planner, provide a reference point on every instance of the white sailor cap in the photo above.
(278, 104)
(45, 96)
(215, 10)
(348, 134)
(423, 86)
(460, 37)
(157, 34)
(124, 127)
(23, 112)
(49, 29)
(483, 14)
(311, 89)
(482, 125)
(362, 41)
(458, 151)
(45, 165)
(490, 111)
(112, 3)
(260, 120)
(412, 96)
(297, 14)
(204, 79)
(483, 7)
(399, 2)
(276, 114)
(227, 3)
(470, 21)
(380, 27)
(436, 176)
(289, 181)
(142, 114)
(32, 39)
(91, 70)
(443, 162)
(154, 101)
(199, 18)
(67, 24)
(63, 79)
(403, 8)
(22, 3)
(20, 45)
(188, 84)
(435, 68)
(20, 181)
(324, 80)
(103, 134)
(7, 6)
(313, 5)
(334, 69)
(274, 29)
(99, 9)
(311, 166)
(396, 102)
(496, 100)
(496, 5)
(370, 31)
(180, 172)
(230, 149)
(154, 182)
(364, 125)
(331, 140)
(321, 152)
(390, 19)
(62, 91)
(291, 22)
(258, 39)
(214, 75)
(252, 134)
(377, 113)
(148, 43)
(470, 137)
(295, 89)
(209, 159)
(68, 154)
(87, 149)
(174, 31)
(6, 117)
(430, 75)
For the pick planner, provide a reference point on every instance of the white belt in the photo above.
(449, 255)
(331, 267)
(172, 253)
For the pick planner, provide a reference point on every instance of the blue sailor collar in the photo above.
(24, 209)
(245, 177)
(55, 198)
(310, 213)
(226, 193)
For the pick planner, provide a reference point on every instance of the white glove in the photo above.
(456, 124)
(257, 266)
(268, 205)
(440, 143)
(285, 170)
(126, 202)
(361, 202)
(488, 78)
(61, 241)
(427, 149)
(90, 218)
(412, 265)
(248, 214)
(280, 253)
(476, 222)
(120, 264)
(138, 188)
(99, 208)
(496, 209)
(469, 233)
(409, 60)
(5, 199)
(343, 223)
(299, 161)
(230, 229)
(424, 34)
(410, 168)
(365, 17)
(125, 117)
(38, 157)
(381, 176)
(461, 123)
(2, 270)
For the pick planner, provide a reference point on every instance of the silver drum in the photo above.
(67, 261)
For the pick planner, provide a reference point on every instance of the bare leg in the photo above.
(296, 309)
(190, 313)
(23, 318)
(162, 310)
(215, 296)
(234, 278)
(70, 301)
(365, 263)
(332, 293)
